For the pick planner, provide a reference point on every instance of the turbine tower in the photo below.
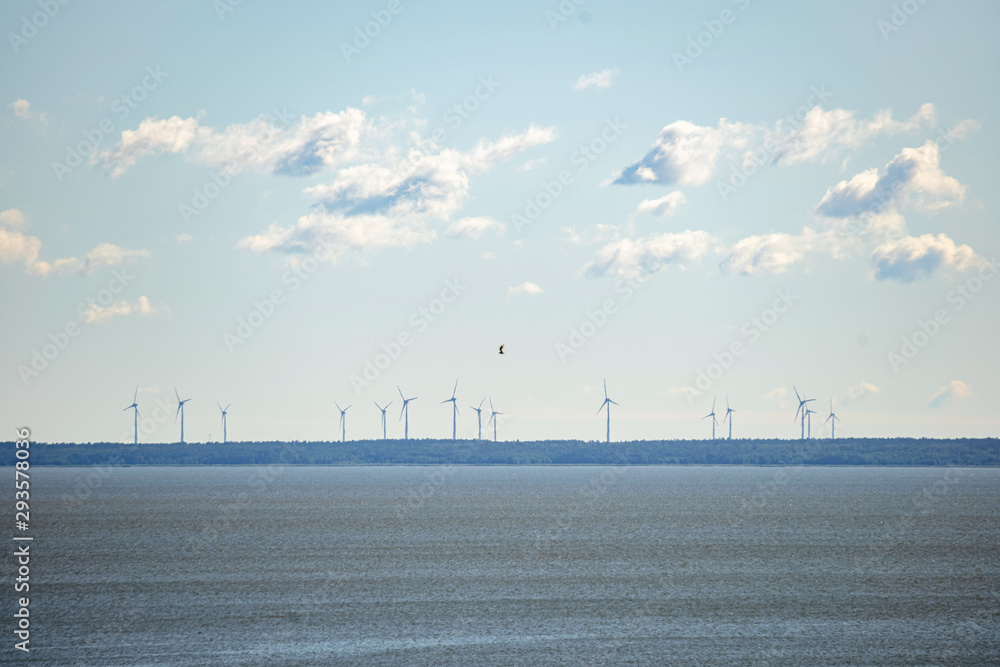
(135, 406)
(180, 411)
(383, 415)
(493, 418)
(729, 416)
(343, 422)
(479, 417)
(225, 411)
(712, 415)
(809, 414)
(454, 410)
(833, 426)
(405, 410)
(801, 409)
(607, 404)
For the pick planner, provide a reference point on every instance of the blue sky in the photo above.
(261, 205)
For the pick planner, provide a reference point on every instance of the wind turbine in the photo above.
(135, 406)
(607, 404)
(729, 416)
(712, 415)
(454, 411)
(809, 414)
(479, 417)
(343, 422)
(225, 411)
(493, 418)
(406, 410)
(180, 411)
(833, 426)
(383, 415)
(802, 408)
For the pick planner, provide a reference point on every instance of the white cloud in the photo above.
(823, 135)
(912, 257)
(688, 154)
(12, 218)
(602, 79)
(474, 228)
(664, 206)
(22, 109)
(370, 206)
(599, 233)
(777, 396)
(183, 238)
(861, 391)
(266, 144)
(682, 392)
(914, 176)
(524, 288)
(776, 252)
(629, 259)
(949, 392)
(19, 248)
(95, 313)
(685, 153)
(529, 165)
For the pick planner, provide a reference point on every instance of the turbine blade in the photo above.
(177, 395)
(400, 392)
(388, 404)
(455, 389)
(482, 401)
(227, 407)
(605, 389)
(796, 393)
(136, 394)
(610, 401)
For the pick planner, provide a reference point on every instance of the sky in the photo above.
(287, 208)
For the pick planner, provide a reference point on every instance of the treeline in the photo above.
(846, 451)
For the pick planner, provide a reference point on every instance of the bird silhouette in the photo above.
(501, 349)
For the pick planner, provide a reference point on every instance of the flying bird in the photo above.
(501, 349)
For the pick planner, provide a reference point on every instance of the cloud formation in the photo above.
(268, 144)
(688, 154)
(602, 79)
(375, 205)
(861, 391)
(914, 175)
(95, 313)
(473, 228)
(911, 257)
(664, 206)
(627, 258)
(17, 247)
(22, 109)
(948, 393)
(524, 288)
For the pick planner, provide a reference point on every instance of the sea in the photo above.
(510, 565)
